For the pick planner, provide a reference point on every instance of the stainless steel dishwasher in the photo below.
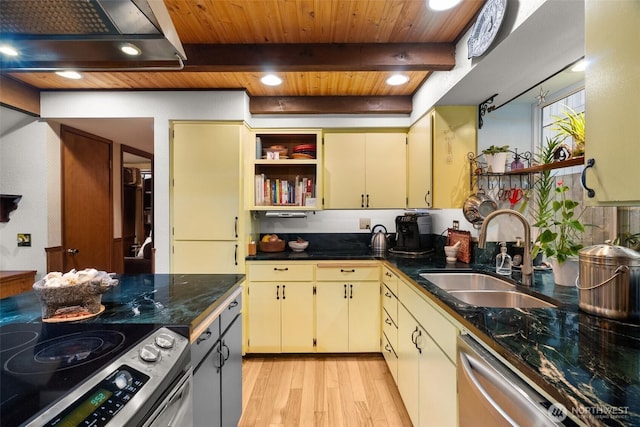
(490, 394)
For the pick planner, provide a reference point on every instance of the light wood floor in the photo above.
(318, 390)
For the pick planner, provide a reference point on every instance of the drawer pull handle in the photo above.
(283, 295)
(350, 291)
(416, 342)
(232, 304)
(278, 292)
(388, 294)
(388, 321)
(387, 347)
(342, 270)
(386, 273)
(362, 200)
(205, 336)
(345, 291)
(280, 269)
(413, 337)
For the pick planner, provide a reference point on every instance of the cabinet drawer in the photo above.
(390, 280)
(443, 332)
(347, 272)
(205, 342)
(285, 272)
(390, 357)
(232, 309)
(390, 329)
(390, 303)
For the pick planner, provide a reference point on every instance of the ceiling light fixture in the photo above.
(130, 49)
(74, 75)
(579, 66)
(397, 79)
(271, 80)
(442, 4)
(8, 50)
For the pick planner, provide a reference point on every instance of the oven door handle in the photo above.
(171, 411)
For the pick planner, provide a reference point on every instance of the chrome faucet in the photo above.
(527, 262)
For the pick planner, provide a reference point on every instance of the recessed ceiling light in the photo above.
(442, 4)
(397, 79)
(130, 49)
(8, 50)
(271, 80)
(69, 74)
(579, 66)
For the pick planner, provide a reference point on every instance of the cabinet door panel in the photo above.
(206, 184)
(408, 364)
(206, 389)
(438, 393)
(332, 317)
(386, 170)
(203, 257)
(419, 164)
(344, 173)
(297, 317)
(264, 318)
(364, 317)
(231, 379)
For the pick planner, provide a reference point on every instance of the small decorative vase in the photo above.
(566, 273)
(496, 163)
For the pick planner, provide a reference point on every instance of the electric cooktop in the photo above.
(43, 362)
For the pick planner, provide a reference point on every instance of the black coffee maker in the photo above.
(413, 234)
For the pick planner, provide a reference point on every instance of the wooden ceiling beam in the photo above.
(320, 57)
(330, 105)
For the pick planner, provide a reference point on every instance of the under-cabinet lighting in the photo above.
(397, 79)
(579, 66)
(74, 75)
(442, 4)
(285, 214)
(271, 80)
(8, 50)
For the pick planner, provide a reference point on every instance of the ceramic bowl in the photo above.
(298, 246)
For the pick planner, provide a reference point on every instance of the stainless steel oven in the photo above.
(94, 374)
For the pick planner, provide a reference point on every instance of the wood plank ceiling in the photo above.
(340, 50)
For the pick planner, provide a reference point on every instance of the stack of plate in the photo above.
(304, 151)
(280, 149)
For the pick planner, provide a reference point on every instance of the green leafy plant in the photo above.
(561, 231)
(629, 240)
(571, 124)
(493, 149)
(543, 187)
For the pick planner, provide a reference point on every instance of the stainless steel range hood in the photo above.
(87, 35)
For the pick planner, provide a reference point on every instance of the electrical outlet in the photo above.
(365, 223)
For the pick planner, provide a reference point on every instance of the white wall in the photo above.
(23, 170)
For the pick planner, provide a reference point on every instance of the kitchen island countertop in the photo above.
(178, 300)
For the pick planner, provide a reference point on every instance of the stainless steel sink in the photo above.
(467, 281)
(500, 299)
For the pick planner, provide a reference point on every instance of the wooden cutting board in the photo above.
(464, 237)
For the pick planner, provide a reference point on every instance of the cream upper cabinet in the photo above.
(365, 170)
(612, 83)
(419, 164)
(455, 130)
(206, 197)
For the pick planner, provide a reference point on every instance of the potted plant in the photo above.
(571, 124)
(496, 157)
(559, 238)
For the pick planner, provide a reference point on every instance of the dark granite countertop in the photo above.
(178, 300)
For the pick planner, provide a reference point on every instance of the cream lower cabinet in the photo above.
(280, 308)
(348, 308)
(390, 321)
(426, 355)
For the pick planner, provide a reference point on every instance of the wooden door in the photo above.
(364, 317)
(386, 170)
(344, 177)
(297, 317)
(87, 212)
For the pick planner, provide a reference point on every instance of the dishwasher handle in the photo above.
(466, 366)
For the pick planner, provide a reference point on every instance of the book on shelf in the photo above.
(282, 192)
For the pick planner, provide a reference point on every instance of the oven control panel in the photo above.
(100, 404)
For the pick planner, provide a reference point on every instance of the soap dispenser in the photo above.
(503, 261)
